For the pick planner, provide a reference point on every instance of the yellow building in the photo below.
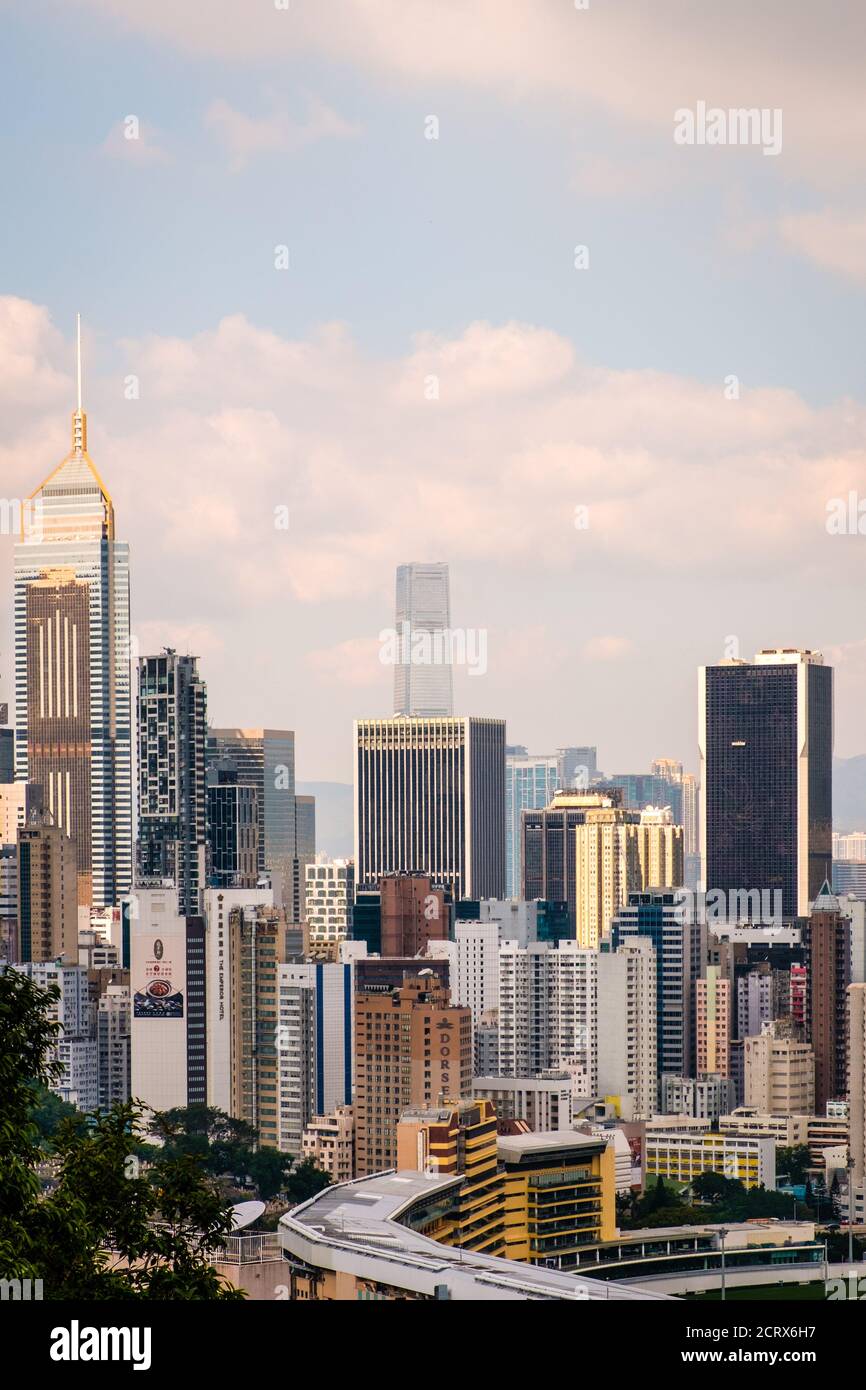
(455, 1139)
(679, 1158)
(559, 1195)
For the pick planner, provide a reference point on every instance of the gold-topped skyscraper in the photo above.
(72, 692)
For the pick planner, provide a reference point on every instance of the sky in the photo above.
(371, 281)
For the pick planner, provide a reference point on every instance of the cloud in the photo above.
(236, 422)
(245, 137)
(630, 62)
(831, 240)
(135, 143)
(239, 430)
(354, 662)
(606, 648)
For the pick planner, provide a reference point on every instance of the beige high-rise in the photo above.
(620, 852)
(779, 1071)
(48, 871)
(411, 1048)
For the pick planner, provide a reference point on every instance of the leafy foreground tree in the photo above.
(230, 1148)
(103, 1232)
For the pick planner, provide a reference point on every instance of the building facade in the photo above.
(428, 799)
(171, 723)
(72, 682)
(423, 687)
(766, 747)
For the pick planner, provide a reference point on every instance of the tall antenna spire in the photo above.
(79, 419)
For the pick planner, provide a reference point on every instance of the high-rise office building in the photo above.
(233, 830)
(607, 867)
(766, 746)
(171, 721)
(305, 854)
(422, 678)
(849, 876)
(429, 795)
(48, 879)
(265, 760)
(639, 789)
(549, 859)
(72, 696)
(530, 783)
(412, 1048)
(7, 754)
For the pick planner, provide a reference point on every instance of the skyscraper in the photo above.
(428, 798)
(47, 897)
(766, 746)
(233, 830)
(412, 1047)
(549, 858)
(72, 697)
(659, 916)
(827, 939)
(172, 795)
(530, 782)
(265, 759)
(423, 687)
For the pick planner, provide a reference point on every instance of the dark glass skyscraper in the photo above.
(265, 760)
(766, 747)
(172, 798)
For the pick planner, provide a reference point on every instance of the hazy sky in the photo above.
(432, 377)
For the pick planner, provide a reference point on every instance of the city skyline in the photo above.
(221, 388)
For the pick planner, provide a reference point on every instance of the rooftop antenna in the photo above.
(79, 419)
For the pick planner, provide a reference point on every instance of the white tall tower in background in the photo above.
(423, 606)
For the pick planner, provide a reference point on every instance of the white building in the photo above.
(473, 959)
(627, 1026)
(219, 903)
(76, 1045)
(543, 1102)
(548, 1011)
(315, 1025)
(113, 1053)
(167, 983)
(330, 893)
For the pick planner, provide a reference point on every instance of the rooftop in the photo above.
(354, 1227)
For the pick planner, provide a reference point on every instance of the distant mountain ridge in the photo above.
(335, 823)
(849, 793)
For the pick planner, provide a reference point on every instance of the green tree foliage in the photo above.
(229, 1149)
(794, 1161)
(103, 1232)
(715, 1199)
